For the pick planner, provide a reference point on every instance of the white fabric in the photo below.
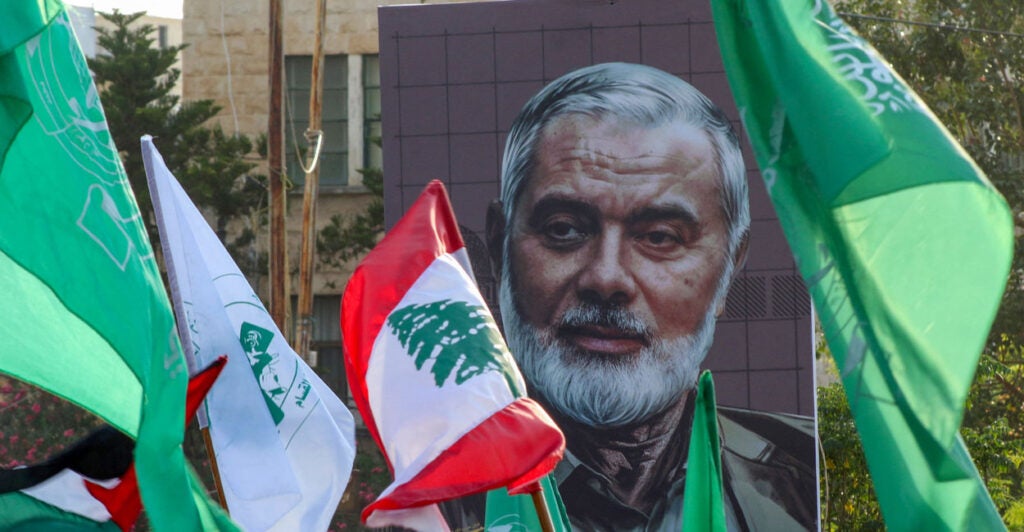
(288, 476)
(66, 490)
(421, 518)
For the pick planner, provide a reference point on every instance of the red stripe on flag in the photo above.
(382, 278)
(515, 447)
(200, 383)
(122, 501)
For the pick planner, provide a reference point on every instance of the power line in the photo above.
(934, 25)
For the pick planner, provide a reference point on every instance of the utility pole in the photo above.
(275, 149)
(316, 92)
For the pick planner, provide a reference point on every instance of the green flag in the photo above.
(20, 512)
(84, 313)
(903, 243)
(702, 497)
(515, 513)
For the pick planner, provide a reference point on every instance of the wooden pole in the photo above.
(543, 513)
(213, 467)
(275, 150)
(316, 92)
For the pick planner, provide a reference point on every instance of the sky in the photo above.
(156, 8)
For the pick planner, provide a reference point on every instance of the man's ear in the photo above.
(495, 230)
(738, 260)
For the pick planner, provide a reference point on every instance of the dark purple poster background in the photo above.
(453, 78)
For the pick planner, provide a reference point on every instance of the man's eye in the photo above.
(661, 240)
(563, 232)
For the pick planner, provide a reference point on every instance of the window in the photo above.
(333, 117)
(161, 32)
(372, 157)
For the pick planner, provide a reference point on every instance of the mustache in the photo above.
(605, 316)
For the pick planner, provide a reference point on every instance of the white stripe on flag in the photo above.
(66, 490)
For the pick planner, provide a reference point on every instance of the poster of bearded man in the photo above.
(596, 162)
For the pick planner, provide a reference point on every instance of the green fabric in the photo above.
(21, 512)
(702, 497)
(518, 513)
(84, 313)
(903, 243)
(23, 19)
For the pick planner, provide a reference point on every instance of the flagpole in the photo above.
(213, 467)
(543, 512)
(181, 323)
(316, 90)
(275, 149)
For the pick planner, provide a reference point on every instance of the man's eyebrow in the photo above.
(549, 205)
(656, 213)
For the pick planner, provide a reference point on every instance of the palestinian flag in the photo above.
(91, 485)
(57, 492)
(434, 382)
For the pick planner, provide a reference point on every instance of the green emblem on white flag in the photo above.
(256, 341)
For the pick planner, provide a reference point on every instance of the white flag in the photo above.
(283, 440)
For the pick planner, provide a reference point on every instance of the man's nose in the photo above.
(606, 277)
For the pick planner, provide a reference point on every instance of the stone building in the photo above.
(166, 32)
(228, 61)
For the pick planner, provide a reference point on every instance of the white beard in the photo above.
(603, 391)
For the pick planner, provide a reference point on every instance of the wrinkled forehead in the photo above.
(627, 153)
(629, 138)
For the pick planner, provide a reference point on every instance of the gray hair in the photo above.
(644, 95)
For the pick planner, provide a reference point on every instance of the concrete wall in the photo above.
(84, 18)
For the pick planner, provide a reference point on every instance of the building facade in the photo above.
(85, 20)
(228, 61)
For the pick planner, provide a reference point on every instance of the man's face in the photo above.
(616, 255)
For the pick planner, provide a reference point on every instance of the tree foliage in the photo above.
(847, 495)
(349, 236)
(135, 81)
(965, 58)
(993, 428)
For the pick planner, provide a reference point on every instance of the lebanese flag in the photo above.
(432, 377)
(92, 484)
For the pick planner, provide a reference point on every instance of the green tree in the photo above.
(349, 236)
(847, 495)
(135, 81)
(993, 428)
(965, 58)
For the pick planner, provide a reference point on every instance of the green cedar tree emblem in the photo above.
(459, 338)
